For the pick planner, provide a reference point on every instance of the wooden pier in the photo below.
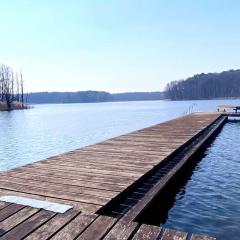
(97, 179)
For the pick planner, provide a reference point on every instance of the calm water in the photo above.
(210, 200)
(46, 130)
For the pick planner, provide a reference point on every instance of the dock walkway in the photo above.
(88, 179)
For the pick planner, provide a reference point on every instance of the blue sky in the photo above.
(117, 45)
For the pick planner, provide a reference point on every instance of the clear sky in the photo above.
(117, 45)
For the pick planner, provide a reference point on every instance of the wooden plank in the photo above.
(12, 221)
(28, 226)
(170, 234)
(3, 205)
(147, 232)
(201, 237)
(53, 225)
(75, 227)
(122, 230)
(98, 228)
(9, 210)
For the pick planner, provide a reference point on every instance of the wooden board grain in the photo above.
(28, 226)
(170, 234)
(15, 219)
(9, 210)
(48, 229)
(201, 237)
(98, 228)
(147, 232)
(75, 227)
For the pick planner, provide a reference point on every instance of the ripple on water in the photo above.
(209, 203)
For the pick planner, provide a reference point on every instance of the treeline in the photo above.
(206, 86)
(90, 96)
(11, 89)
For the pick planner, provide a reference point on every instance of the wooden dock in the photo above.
(95, 178)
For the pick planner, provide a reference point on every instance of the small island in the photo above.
(11, 89)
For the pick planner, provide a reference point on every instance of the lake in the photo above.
(208, 202)
(46, 130)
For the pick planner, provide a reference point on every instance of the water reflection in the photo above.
(208, 200)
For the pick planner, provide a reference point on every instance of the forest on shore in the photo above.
(205, 86)
(91, 96)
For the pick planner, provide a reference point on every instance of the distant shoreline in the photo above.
(101, 96)
(90, 97)
(167, 100)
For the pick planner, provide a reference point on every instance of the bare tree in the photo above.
(11, 87)
(22, 91)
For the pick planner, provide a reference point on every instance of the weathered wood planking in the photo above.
(36, 224)
(90, 177)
